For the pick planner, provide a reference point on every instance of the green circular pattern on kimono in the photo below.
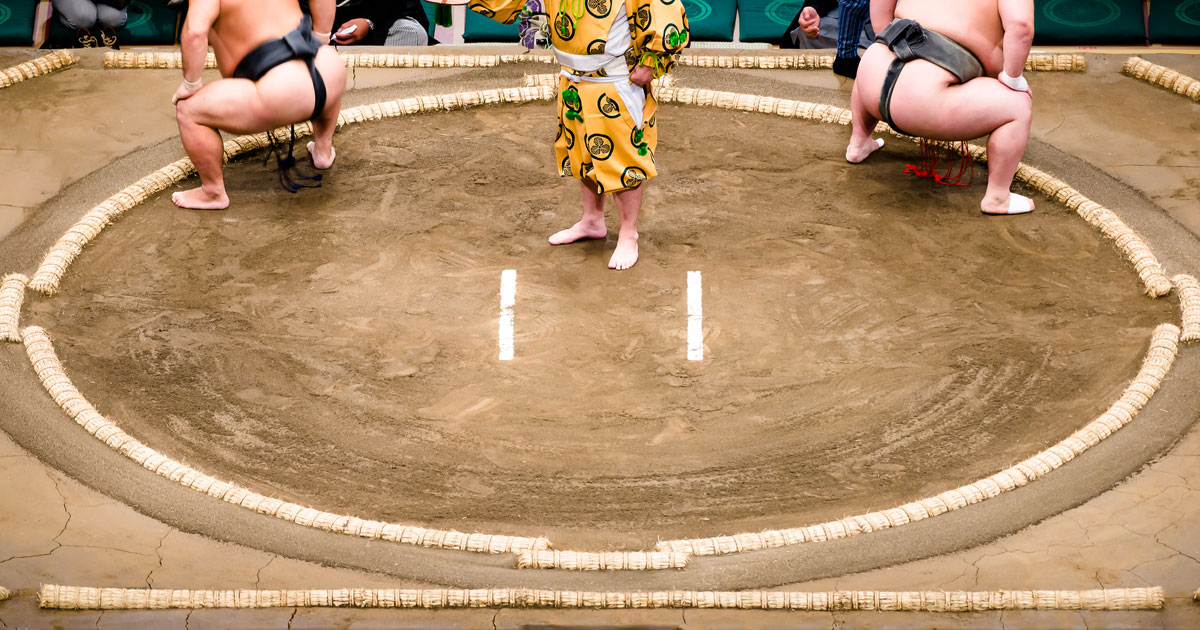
(596, 47)
(609, 107)
(782, 11)
(599, 8)
(633, 176)
(1078, 14)
(599, 146)
(138, 14)
(700, 9)
(1187, 12)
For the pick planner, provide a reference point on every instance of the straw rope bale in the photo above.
(12, 295)
(174, 60)
(1162, 76)
(1164, 345)
(53, 596)
(1189, 304)
(4, 593)
(125, 60)
(34, 68)
(605, 561)
(49, 274)
(1056, 63)
(49, 370)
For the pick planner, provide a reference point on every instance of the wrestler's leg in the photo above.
(591, 225)
(629, 204)
(333, 71)
(238, 106)
(862, 143)
(864, 99)
(924, 105)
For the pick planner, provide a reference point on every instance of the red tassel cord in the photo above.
(931, 156)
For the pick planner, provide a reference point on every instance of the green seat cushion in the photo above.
(481, 29)
(16, 22)
(1175, 22)
(1088, 22)
(765, 20)
(149, 22)
(711, 20)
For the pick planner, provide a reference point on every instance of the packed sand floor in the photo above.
(870, 338)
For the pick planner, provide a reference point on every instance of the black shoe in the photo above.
(85, 38)
(108, 37)
(845, 66)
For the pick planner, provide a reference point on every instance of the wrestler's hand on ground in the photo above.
(642, 75)
(810, 22)
(186, 90)
(340, 36)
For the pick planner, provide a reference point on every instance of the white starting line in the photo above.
(695, 323)
(695, 318)
(508, 297)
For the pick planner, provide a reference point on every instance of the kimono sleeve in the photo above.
(659, 29)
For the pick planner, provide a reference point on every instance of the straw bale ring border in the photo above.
(127, 60)
(1163, 77)
(12, 295)
(59, 597)
(1158, 360)
(34, 68)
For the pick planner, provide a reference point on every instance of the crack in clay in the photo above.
(54, 540)
(494, 626)
(258, 574)
(187, 619)
(292, 618)
(158, 554)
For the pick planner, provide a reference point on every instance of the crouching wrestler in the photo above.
(607, 130)
(277, 71)
(950, 71)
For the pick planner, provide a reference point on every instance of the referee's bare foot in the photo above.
(626, 254)
(579, 232)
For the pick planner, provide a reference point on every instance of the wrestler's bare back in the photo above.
(972, 23)
(245, 24)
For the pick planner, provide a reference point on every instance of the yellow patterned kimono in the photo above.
(606, 126)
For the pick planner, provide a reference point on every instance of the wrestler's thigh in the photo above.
(229, 104)
(871, 71)
(926, 104)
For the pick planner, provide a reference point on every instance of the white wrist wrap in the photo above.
(1017, 83)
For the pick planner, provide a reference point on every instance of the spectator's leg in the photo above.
(407, 32)
(75, 14)
(111, 16)
(854, 13)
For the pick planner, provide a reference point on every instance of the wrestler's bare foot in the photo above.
(199, 199)
(1014, 204)
(858, 151)
(578, 232)
(626, 253)
(325, 158)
